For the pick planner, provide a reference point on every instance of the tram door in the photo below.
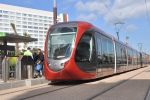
(99, 54)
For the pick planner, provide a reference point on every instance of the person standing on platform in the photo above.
(29, 62)
(39, 63)
(28, 52)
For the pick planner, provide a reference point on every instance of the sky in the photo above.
(130, 17)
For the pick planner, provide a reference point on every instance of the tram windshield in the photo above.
(60, 41)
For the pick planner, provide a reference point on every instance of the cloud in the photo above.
(90, 17)
(131, 28)
(112, 10)
(128, 9)
(92, 6)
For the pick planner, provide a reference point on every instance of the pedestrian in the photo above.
(28, 61)
(28, 52)
(35, 58)
(39, 63)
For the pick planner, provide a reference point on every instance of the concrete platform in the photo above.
(22, 83)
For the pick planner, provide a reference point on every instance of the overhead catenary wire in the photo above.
(119, 22)
(109, 9)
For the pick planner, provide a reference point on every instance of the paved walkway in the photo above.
(133, 89)
(132, 85)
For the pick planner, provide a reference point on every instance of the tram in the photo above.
(80, 51)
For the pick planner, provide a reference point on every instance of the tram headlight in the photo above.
(64, 63)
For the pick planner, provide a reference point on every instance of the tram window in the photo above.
(110, 52)
(124, 55)
(64, 29)
(119, 57)
(130, 55)
(99, 50)
(99, 46)
(84, 49)
(104, 51)
(85, 53)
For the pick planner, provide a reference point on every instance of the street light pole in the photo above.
(118, 28)
(127, 38)
(117, 35)
(140, 46)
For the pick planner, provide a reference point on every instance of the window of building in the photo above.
(35, 19)
(30, 15)
(5, 12)
(18, 18)
(5, 20)
(12, 17)
(30, 27)
(24, 15)
(35, 27)
(18, 14)
(30, 23)
(35, 31)
(40, 31)
(18, 22)
(24, 26)
(29, 19)
(50, 17)
(34, 16)
(41, 28)
(18, 26)
(24, 18)
(40, 16)
(12, 13)
(30, 31)
(40, 20)
(6, 29)
(35, 23)
(46, 28)
(40, 24)
(5, 16)
(18, 30)
(36, 35)
(35, 42)
(25, 23)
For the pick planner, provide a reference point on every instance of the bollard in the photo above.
(29, 71)
(18, 69)
(5, 73)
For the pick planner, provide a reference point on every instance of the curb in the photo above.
(21, 83)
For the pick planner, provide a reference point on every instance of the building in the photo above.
(31, 21)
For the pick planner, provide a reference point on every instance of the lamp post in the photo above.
(127, 38)
(140, 46)
(118, 28)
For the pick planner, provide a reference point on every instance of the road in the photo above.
(133, 85)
